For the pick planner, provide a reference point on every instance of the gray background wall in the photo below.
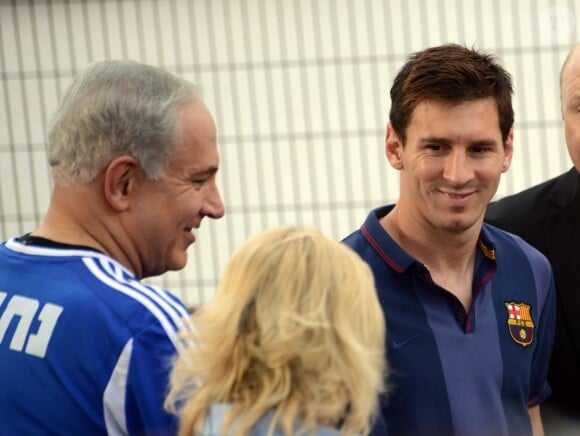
(299, 91)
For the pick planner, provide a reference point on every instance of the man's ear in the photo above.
(120, 178)
(508, 151)
(394, 148)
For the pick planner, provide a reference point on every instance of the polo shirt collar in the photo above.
(394, 255)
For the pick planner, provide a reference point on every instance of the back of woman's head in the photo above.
(295, 328)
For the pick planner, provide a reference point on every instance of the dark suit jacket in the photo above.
(548, 217)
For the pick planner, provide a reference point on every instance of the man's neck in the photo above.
(78, 216)
(449, 257)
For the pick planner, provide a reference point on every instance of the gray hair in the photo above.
(117, 108)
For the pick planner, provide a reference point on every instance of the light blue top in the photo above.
(218, 412)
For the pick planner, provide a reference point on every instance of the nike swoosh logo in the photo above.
(397, 345)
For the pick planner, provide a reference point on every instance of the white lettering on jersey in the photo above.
(26, 309)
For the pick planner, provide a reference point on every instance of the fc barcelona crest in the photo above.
(520, 323)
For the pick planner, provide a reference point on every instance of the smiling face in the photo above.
(570, 94)
(167, 210)
(450, 165)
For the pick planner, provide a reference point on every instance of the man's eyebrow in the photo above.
(438, 139)
(435, 140)
(484, 142)
(205, 171)
(443, 140)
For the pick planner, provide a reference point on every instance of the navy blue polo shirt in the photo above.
(458, 373)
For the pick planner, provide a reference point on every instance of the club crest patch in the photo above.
(520, 323)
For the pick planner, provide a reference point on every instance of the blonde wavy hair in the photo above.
(295, 329)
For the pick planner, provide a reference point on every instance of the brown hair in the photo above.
(450, 73)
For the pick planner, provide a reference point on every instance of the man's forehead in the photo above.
(443, 106)
(572, 67)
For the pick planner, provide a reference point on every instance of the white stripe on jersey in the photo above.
(114, 395)
(180, 308)
(38, 250)
(150, 302)
(116, 276)
(177, 313)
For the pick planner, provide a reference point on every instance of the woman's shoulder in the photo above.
(218, 413)
(263, 425)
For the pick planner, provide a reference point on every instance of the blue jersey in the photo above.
(85, 348)
(454, 372)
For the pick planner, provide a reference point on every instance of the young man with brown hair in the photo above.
(469, 308)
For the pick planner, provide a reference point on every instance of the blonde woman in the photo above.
(293, 343)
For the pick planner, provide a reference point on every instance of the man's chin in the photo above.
(457, 226)
(178, 264)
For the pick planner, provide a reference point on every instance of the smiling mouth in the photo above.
(457, 196)
(189, 232)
